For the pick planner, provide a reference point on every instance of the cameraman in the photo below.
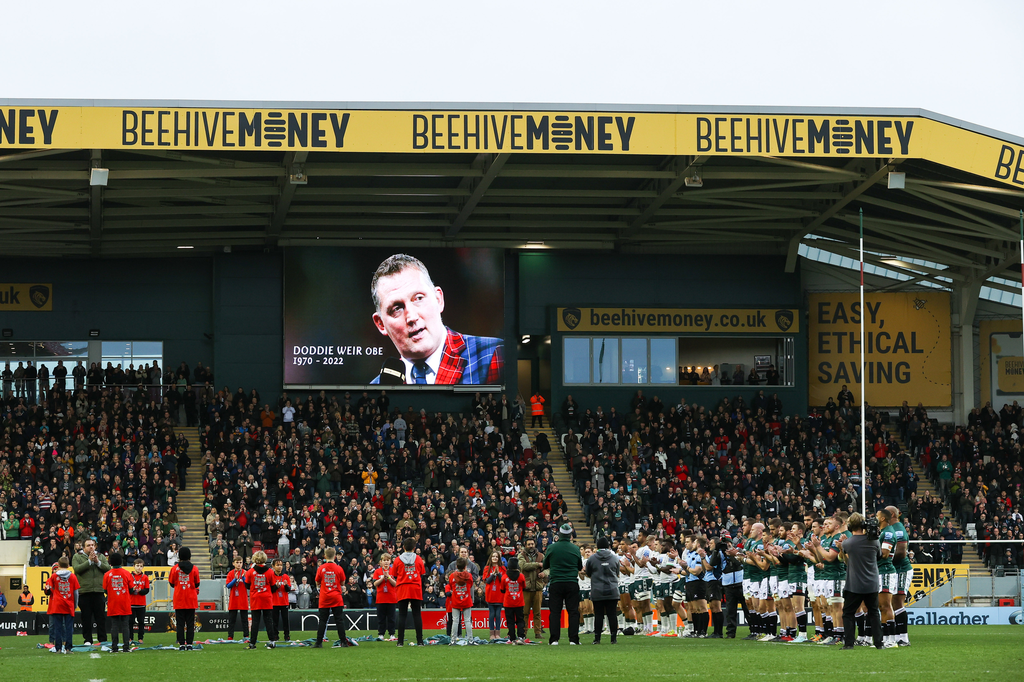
(860, 552)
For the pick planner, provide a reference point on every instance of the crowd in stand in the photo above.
(293, 476)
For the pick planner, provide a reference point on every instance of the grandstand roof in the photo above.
(401, 177)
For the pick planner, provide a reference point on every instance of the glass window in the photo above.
(116, 349)
(606, 361)
(663, 361)
(634, 361)
(147, 349)
(577, 360)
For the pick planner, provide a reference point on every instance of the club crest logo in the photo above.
(571, 317)
(784, 318)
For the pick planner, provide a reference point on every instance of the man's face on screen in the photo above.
(410, 313)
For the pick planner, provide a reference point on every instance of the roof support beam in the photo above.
(96, 207)
(490, 165)
(839, 205)
(668, 191)
(284, 200)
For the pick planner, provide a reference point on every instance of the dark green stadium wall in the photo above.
(548, 280)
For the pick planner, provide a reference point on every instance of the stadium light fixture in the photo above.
(695, 179)
(897, 180)
(98, 177)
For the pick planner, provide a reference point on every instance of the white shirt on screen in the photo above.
(433, 362)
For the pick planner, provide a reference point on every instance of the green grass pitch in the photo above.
(938, 653)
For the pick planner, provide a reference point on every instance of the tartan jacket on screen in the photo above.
(470, 360)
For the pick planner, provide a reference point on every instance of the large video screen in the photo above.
(420, 317)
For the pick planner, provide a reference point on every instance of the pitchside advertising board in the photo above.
(36, 578)
(518, 131)
(217, 621)
(335, 336)
(907, 342)
(26, 297)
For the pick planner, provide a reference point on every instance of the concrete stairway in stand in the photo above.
(190, 507)
(562, 477)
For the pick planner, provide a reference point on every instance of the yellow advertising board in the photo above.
(1001, 379)
(521, 132)
(38, 576)
(26, 297)
(930, 577)
(680, 320)
(907, 342)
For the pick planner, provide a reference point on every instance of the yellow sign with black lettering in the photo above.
(1002, 361)
(930, 577)
(522, 132)
(37, 577)
(26, 297)
(680, 320)
(907, 342)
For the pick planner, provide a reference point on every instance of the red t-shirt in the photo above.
(259, 588)
(514, 591)
(409, 578)
(494, 592)
(238, 600)
(139, 581)
(386, 592)
(462, 592)
(186, 587)
(284, 584)
(62, 594)
(117, 583)
(330, 578)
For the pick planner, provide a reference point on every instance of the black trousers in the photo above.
(186, 620)
(119, 626)
(339, 620)
(851, 602)
(516, 621)
(386, 621)
(281, 612)
(567, 595)
(240, 615)
(605, 608)
(138, 622)
(417, 618)
(94, 609)
(267, 615)
(733, 602)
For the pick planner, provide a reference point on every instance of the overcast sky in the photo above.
(958, 59)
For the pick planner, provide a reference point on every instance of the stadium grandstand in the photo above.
(221, 329)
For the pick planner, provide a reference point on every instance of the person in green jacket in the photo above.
(89, 567)
(563, 563)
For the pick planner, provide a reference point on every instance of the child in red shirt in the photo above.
(385, 596)
(238, 599)
(460, 582)
(494, 592)
(117, 585)
(514, 601)
(62, 589)
(184, 578)
(408, 573)
(283, 581)
(139, 588)
(260, 581)
(330, 578)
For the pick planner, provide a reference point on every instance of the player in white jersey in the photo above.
(646, 560)
(627, 615)
(586, 605)
(662, 584)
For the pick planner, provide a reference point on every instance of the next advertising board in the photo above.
(680, 320)
(907, 342)
(520, 131)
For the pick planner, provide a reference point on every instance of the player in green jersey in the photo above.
(904, 576)
(798, 581)
(886, 574)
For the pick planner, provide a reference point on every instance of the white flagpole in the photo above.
(863, 382)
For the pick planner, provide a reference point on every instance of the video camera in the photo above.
(871, 528)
